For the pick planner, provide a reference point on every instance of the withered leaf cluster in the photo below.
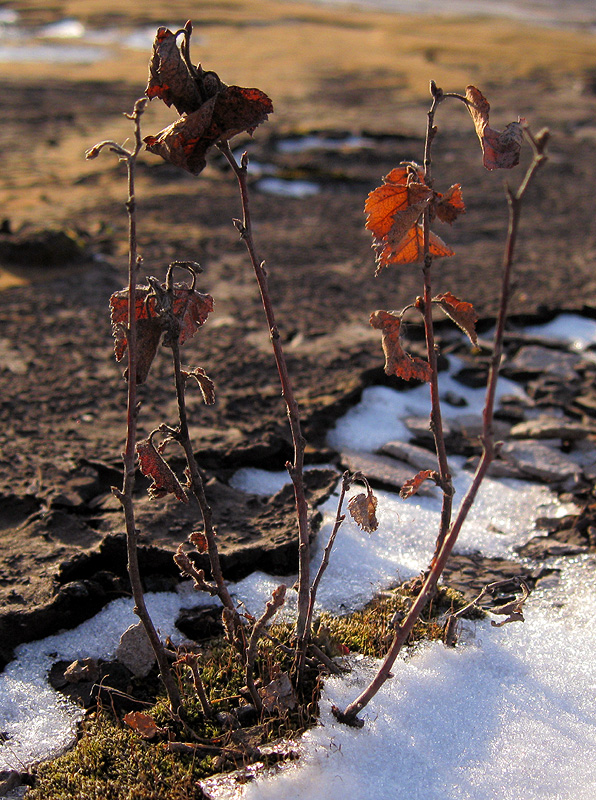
(190, 308)
(394, 216)
(210, 110)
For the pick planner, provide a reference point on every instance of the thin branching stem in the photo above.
(296, 468)
(198, 489)
(436, 422)
(277, 600)
(339, 518)
(403, 630)
(129, 455)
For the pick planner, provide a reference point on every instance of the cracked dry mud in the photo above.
(62, 395)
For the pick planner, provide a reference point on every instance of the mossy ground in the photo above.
(112, 761)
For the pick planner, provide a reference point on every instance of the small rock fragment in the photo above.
(135, 651)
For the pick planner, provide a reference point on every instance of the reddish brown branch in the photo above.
(402, 632)
(296, 468)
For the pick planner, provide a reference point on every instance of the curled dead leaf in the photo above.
(190, 308)
(205, 383)
(211, 110)
(412, 485)
(397, 361)
(462, 313)
(362, 508)
(501, 149)
(152, 465)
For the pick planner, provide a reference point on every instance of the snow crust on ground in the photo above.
(509, 714)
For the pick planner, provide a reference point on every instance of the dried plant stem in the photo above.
(339, 518)
(296, 468)
(436, 422)
(404, 629)
(129, 455)
(277, 600)
(196, 484)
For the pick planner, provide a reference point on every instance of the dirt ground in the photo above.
(62, 397)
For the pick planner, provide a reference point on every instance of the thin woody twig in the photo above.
(296, 468)
(515, 199)
(129, 455)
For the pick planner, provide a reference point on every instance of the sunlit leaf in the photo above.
(362, 508)
(501, 149)
(143, 724)
(152, 465)
(410, 248)
(412, 485)
(461, 313)
(397, 361)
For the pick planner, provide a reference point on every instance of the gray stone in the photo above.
(418, 457)
(461, 433)
(533, 360)
(135, 651)
(544, 427)
(382, 469)
(538, 460)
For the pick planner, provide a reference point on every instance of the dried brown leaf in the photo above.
(279, 694)
(501, 149)
(190, 307)
(447, 207)
(462, 313)
(362, 508)
(205, 383)
(169, 77)
(211, 110)
(143, 724)
(199, 540)
(412, 485)
(397, 361)
(152, 465)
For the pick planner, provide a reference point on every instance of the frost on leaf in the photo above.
(190, 308)
(211, 111)
(152, 465)
(362, 508)
(500, 148)
(461, 313)
(411, 486)
(397, 361)
(393, 216)
(205, 383)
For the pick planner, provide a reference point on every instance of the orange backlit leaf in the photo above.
(362, 508)
(152, 465)
(412, 485)
(397, 361)
(462, 313)
(501, 149)
(400, 193)
(410, 248)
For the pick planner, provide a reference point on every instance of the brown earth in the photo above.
(62, 395)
